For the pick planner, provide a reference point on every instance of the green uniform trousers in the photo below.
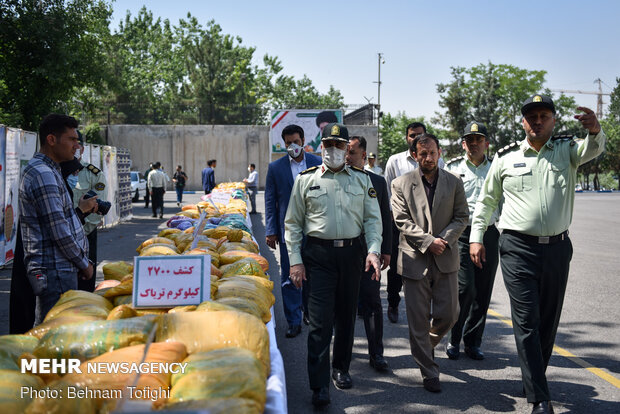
(333, 275)
(535, 276)
(475, 289)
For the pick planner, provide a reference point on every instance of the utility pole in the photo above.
(380, 61)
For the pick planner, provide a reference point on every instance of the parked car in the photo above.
(138, 186)
(578, 188)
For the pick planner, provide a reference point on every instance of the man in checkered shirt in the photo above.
(55, 247)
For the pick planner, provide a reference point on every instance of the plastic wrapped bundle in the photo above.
(11, 383)
(154, 240)
(15, 345)
(122, 312)
(124, 288)
(256, 280)
(213, 306)
(78, 298)
(90, 339)
(222, 373)
(207, 331)
(245, 266)
(232, 256)
(64, 403)
(158, 352)
(116, 270)
(248, 306)
(63, 320)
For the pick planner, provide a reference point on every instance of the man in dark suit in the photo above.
(369, 296)
(430, 210)
(280, 178)
(208, 177)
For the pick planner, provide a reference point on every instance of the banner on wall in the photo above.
(311, 121)
(3, 131)
(12, 166)
(108, 166)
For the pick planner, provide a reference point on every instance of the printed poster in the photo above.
(311, 121)
(3, 131)
(11, 190)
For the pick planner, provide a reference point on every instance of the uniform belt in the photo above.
(538, 239)
(334, 243)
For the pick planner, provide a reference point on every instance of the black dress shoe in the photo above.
(293, 331)
(154, 215)
(305, 319)
(379, 363)
(342, 380)
(320, 397)
(392, 314)
(474, 353)
(432, 384)
(452, 351)
(542, 407)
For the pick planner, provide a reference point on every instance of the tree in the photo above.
(493, 94)
(393, 134)
(611, 126)
(48, 48)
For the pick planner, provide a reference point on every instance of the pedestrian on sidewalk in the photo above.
(251, 184)
(179, 179)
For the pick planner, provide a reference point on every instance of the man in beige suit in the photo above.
(430, 210)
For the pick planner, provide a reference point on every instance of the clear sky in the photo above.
(336, 42)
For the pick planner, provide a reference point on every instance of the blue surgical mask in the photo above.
(72, 180)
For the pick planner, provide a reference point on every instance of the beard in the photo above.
(428, 169)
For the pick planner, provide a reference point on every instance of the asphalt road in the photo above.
(584, 373)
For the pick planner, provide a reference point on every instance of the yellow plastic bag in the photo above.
(238, 287)
(266, 283)
(154, 240)
(235, 255)
(213, 306)
(206, 331)
(159, 250)
(222, 373)
(64, 403)
(90, 339)
(245, 266)
(73, 298)
(116, 270)
(122, 300)
(248, 306)
(122, 312)
(242, 245)
(125, 288)
(62, 320)
(11, 383)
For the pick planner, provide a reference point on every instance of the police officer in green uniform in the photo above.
(475, 284)
(536, 178)
(333, 204)
(90, 178)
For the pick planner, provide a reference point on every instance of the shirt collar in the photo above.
(325, 170)
(53, 164)
(293, 161)
(485, 161)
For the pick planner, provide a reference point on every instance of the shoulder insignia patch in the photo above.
(358, 169)
(456, 159)
(507, 149)
(307, 170)
(372, 192)
(99, 186)
(93, 169)
(562, 137)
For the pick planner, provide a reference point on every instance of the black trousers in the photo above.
(535, 276)
(22, 301)
(158, 200)
(147, 197)
(333, 275)
(394, 280)
(372, 312)
(475, 289)
(89, 285)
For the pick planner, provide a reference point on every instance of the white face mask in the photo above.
(334, 157)
(294, 150)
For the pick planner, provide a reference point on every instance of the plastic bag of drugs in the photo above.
(116, 270)
(62, 397)
(245, 266)
(246, 305)
(207, 331)
(75, 298)
(235, 255)
(87, 340)
(12, 401)
(222, 373)
(122, 312)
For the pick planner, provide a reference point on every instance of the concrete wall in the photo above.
(233, 146)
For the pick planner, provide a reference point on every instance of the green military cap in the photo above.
(474, 128)
(336, 132)
(537, 101)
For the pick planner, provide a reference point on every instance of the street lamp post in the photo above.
(380, 61)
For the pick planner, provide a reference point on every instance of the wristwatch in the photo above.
(376, 254)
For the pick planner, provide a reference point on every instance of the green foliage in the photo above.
(393, 134)
(48, 48)
(92, 134)
(493, 94)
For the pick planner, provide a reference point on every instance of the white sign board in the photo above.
(222, 197)
(168, 281)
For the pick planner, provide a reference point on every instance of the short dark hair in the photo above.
(253, 166)
(293, 129)
(414, 125)
(326, 116)
(178, 166)
(361, 139)
(55, 124)
(157, 165)
(423, 139)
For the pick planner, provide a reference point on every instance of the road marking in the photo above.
(563, 352)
